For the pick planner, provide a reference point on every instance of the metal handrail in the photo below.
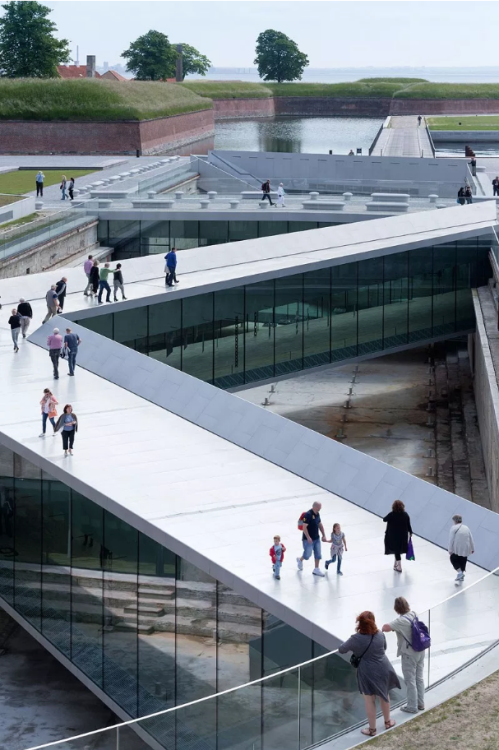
(252, 683)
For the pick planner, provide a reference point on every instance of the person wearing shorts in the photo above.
(311, 540)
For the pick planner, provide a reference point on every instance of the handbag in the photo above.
(355, 660)
(410, 551)
(63, 352)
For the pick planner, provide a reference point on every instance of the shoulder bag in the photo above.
(355, 660)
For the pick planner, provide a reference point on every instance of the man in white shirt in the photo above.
(412, 661)
(461, 546)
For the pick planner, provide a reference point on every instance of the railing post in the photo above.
(117, 738)
(429, 650)
(299, 707)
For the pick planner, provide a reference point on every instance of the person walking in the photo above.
(52, 303)
(338, 544)
(412, 661)
(461, 546)
(118, 282)
(280, 195)
(61, 288)
(94, 278)
(266, 192)
(468, 195)
(39, 184)
(54, 343)
(87, 267)
(171, 267)
(375, 674)
(26, 313)
(15, 328)
(495, 185)
(71, 187)
(460, 196)
(276, 553)
(71, 343)
(49, 411)
(419, 120)
(68, 424)
(473, 165)
(104, 283)
(398, 531)
(311, 525)
(63, 187)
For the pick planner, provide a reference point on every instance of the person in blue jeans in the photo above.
(170, 267)
(338, 543)
(312, 525)
(71, 343)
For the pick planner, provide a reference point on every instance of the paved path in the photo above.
(404, 137)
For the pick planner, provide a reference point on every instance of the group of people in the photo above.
(67, 347)
(67, 188)
(19, 321)
(376, 676)
(464, 195)
(97, 280)
(266, 190)
(67, 423)
(55, 298)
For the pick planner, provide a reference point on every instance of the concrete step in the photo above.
(152, 610)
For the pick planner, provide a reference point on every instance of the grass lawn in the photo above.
(18, 222)
(478, 122)
(469, 721)
(23, 180)
(6, 199)
(228, 89)
(94, 99)
(450, 91)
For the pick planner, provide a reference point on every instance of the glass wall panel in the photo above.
(288, 318)
(122, 612)
(28, 540)
(7, 545)
(87, 600)
(466, 276)
(301, 226)
(184, 234)
(370, 305)
(130, 328)
(197, 336)
(317, 317)
(213, 232)
(56, 561)
(243, 230)
(154, 237)
(165, 333)
(444, 289)
(270, 228)
(395, 299)
(229, 338)
(344, 311)
(259, 331)
(101, 324)
(420, 293)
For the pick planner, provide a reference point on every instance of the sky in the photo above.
(333, 34)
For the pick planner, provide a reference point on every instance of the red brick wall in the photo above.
(21, 137)
(317, 106)
(245, 108)
(444, 106)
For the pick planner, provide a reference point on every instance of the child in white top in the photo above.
(280, 195)
(338, 543)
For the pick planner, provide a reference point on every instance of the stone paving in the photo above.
(404, 137)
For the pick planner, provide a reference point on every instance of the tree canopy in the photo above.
(278, 57)
(28, 47)
(193, 61)
(151, 57)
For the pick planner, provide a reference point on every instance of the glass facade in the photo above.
(133, 238)
(154, 631)
(258, 331)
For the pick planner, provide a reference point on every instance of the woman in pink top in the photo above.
(49, 411)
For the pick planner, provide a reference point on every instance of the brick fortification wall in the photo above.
(444, 106)
(317, 106)
(226, 109)
(150, 136)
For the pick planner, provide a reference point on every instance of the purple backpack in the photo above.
(420, 635)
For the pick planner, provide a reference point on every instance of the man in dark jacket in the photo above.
(118, 282)
(495, 185)
(26, 313)
(266, 192)
(171, 266)
(60, 289)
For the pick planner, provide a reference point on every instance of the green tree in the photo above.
(28, 48)
(193, 61)
(278, 57)
(151, 57)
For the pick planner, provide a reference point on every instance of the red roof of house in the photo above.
(113, 76)
(74, 71)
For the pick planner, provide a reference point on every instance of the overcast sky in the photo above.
(333, 34)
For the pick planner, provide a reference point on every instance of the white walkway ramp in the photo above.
(404, 137)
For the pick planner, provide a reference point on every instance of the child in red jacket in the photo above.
(276, 553)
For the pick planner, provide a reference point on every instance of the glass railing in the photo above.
(176, 173)
(18, 239)
(298, 707)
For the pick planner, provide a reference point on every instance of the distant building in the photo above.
(79, 71)
(112, 75)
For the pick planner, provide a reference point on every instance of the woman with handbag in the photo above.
(375, 674)
(49, 410)
(68, 424)
(397, 534)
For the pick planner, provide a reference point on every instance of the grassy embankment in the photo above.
(376, 87)
(97, 100)
(469, 721)
(5, 200)
(467, 122)
(23, 180)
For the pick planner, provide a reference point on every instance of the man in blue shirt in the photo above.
(171, 265)
(71, 344)
(312, 524)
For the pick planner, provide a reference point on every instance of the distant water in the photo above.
(339, 75)
(315, 135)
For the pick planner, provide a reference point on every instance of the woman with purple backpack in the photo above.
(410, 632)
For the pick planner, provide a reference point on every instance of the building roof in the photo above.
(74, 71)
(113, 75)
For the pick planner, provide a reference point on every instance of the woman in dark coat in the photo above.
(397, 534)
(94, 277)
(375, 674)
